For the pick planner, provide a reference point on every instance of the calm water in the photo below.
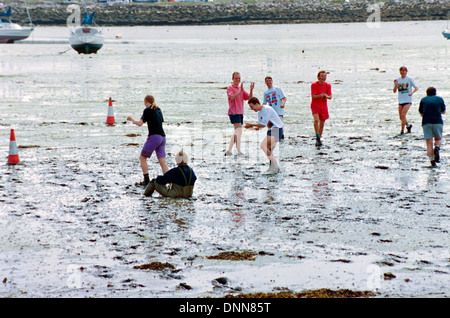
(339, 217)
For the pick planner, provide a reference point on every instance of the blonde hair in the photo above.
(151, 100)
(181, 157)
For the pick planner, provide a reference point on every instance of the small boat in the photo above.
(446, 34)
(85, 39)
(11, 32)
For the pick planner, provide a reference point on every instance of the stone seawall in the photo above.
(299, 11)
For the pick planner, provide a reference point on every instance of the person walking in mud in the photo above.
(275, 98)
(267, 116)
(156, 140)
(236, 96)
(178, 182)
(431, 108)
(320, 94)
(406, 87)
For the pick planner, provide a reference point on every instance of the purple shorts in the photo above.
(156, 143)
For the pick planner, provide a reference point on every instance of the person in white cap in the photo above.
(178, 182)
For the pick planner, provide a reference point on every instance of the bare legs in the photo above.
(433, 152)
(268, 145)
(144, 164)
(235, 139)
(318, 128)
(402, 111)
(318, 125)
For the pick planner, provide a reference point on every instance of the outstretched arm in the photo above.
(254, 126)
(136, 122)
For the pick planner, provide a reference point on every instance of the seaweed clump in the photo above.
(155, 266)
(316, 293)
(235, 256)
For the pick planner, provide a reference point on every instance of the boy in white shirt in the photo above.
(267, 116)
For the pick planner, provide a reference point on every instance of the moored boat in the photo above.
(446, 34)
(11, 32)
(86, 39)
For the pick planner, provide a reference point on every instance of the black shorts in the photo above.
(236, 118)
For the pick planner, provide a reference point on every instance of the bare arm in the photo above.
(254, 126)
(136, 122)
(233, 97)
(415, 90)
(323, 95)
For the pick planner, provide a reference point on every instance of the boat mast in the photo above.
(28, 13)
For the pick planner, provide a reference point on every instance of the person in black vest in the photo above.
(178, 182)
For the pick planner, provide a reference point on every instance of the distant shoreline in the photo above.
(301, 11)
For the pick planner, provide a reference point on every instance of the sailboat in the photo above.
(85, 39)
(446, 33)
(11, 32)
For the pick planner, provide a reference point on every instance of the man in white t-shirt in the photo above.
(404, 86)
(267, 117)
(274, 97)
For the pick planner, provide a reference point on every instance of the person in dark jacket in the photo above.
(431, 109)
(178, 182)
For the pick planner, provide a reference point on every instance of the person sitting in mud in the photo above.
(178, 182)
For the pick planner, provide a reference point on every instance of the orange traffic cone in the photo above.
(13, 157)
(110, 119)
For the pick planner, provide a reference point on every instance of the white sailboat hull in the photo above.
(86, 40)
(11, 32)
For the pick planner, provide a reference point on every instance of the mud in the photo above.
(363, 213)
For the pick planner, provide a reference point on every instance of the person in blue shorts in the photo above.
(267, 116)
(236, 95)
(274, 97)
(431, 109)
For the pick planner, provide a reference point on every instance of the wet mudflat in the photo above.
(363, 213)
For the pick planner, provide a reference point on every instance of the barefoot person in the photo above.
(431, 109)
(320, 94)
(267, 117)
(236, 96)
(178, 182)
(404, 86)
(156, 140)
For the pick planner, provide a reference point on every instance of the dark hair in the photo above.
(253, 100)
(268, 77)
(431, 91)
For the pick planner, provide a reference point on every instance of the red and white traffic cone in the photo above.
(110, 121)
(13, 157)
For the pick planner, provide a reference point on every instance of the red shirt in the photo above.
(317, 89)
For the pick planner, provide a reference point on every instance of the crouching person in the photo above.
(178, 182)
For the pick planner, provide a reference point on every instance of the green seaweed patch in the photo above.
(155, 266)
(316, 293)
(235, 256)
